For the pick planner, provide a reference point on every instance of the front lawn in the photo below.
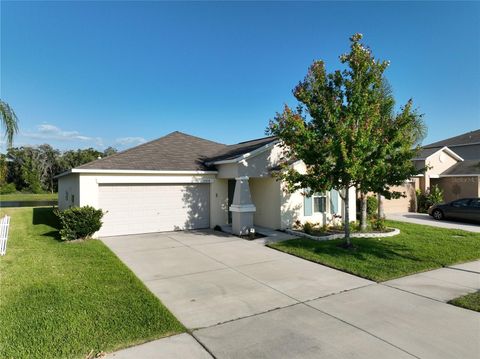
(417, 248)
(19, 196)
(470, 301)
(68, 300)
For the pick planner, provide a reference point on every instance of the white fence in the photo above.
(4, 224)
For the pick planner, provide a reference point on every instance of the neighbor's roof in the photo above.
(175, 151)
(463, 139)
(424, 153)
(467, 167)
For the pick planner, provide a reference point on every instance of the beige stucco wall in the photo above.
(68, 186)
(458, 187)
(402, 204)
(439, 162)
(436, 164)
(266, 197)
(258, 165)
(219, 202)
(292, 205)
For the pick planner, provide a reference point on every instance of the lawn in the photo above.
(19, 196)
(469, 301)
(68, 300)
(417, 248)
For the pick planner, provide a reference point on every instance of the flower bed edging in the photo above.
(392, 233)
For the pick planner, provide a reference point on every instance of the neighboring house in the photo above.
(184, 182)
(452, 164)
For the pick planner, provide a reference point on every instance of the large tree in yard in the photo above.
(338, 130)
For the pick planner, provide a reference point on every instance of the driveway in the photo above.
(423, 218)
(243, 300)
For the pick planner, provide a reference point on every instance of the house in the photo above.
(184, 182)
(452, 164)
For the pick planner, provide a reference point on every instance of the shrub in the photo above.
(79, 222)
(424, 200)
(372, 206)
(308, 227)
(378, 224)
(7, 188)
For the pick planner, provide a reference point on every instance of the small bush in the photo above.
(372, 206)
(378, 224)
(79, 222)
(425, 200)
(308, 227)
(7, 188)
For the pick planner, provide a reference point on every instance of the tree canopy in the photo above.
(344, 129)
(33, 169)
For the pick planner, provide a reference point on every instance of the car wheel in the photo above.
(437, 214)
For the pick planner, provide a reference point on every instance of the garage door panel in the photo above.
(154, 208)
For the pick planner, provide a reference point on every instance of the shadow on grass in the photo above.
(45, 216)
(364, 249)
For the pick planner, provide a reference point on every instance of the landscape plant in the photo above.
(341, 131)
(79, 222)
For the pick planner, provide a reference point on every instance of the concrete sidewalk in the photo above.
(442, 284)
(425, 219)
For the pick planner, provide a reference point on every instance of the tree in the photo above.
(49, 165)
(9, 121)
(336, 128)
(109, 151)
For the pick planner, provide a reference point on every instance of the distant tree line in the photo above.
(32, 169)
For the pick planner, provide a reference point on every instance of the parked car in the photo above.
(467, 209)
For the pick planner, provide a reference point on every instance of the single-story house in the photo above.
(181, 182)
(452, 164)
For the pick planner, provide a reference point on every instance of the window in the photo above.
(461, 203)
(475, 203)
(73, 198)
(66, 195)
(319, 202)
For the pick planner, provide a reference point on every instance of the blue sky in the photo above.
(83, 74)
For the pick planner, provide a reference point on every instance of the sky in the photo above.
(99, 74)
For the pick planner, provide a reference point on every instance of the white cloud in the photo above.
(50, 132)
(132, 141)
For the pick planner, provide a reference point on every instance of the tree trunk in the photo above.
(363, 218)
(381, 213)
(347, 219)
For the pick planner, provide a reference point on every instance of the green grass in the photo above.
(470, 301)
(417, 248)
(19, 196)
(66, 300)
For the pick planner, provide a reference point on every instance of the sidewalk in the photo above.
(442, 284)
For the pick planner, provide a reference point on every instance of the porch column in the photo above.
(242, 207)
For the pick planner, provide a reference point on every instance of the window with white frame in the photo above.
(319, 202)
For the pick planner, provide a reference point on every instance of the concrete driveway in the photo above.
(423, 218)
(244, 300)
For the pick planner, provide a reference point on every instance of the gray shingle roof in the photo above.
(467, 167)
(463, 139)
(425, 152)
(176, 151)
(234, 151)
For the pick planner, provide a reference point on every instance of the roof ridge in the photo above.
(145, 144)
(256, 139)
(440, 142)
(197, 137)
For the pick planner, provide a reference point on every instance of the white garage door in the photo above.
(144, 208)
